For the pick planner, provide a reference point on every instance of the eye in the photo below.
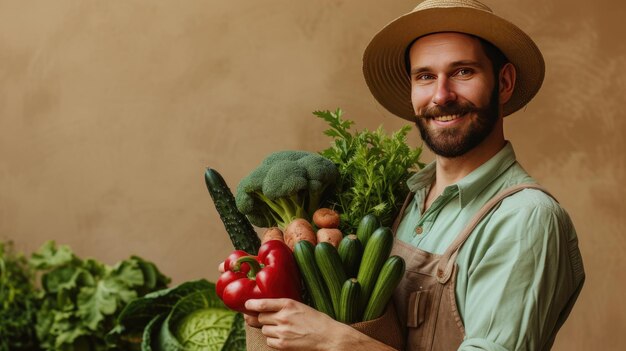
(464, 72)
(424, 77)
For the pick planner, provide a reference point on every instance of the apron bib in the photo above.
(425, 298)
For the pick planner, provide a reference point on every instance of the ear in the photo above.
(507, 82)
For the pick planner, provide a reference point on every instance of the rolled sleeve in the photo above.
(521, 283)
(476, 344)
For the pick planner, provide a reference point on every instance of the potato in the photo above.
(299, 229)
(273, 233)
(330, 235)
(326, 218)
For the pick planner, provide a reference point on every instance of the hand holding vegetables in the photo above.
(291, 325)
(271, 274)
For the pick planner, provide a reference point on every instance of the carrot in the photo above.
(331, 235)
(326, 218)
(299, 229)
(273, 233)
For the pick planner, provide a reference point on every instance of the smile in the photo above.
(447, 118)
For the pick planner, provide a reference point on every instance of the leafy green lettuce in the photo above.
(80, 299)
(18, 302)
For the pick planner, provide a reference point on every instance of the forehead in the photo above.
(447, 47)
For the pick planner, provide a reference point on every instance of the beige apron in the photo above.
(425, 298)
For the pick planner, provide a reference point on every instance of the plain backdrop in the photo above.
(111, 110)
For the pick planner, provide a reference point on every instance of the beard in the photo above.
(453, 141)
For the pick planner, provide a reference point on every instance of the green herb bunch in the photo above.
(373, 168)
(81, 298)
(18, 302)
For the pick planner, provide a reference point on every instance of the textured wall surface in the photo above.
(110, 110)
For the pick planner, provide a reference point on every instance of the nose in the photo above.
(443, 93)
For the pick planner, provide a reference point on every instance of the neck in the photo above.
(451, 170)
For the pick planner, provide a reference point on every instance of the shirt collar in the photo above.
(423, 178)
(473, 183)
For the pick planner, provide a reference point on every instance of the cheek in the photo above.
(419, 98)
(479, 92)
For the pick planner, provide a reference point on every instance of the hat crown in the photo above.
(472, 4)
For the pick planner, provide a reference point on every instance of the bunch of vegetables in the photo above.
(362, 177)
(352, 281)
(350, 278)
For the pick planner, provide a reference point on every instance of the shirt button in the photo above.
(419, 230)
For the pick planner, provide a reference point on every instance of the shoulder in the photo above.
(531, 213)
(530, 199)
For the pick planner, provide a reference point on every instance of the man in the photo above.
(492, 259)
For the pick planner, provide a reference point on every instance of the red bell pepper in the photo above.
(271, 274)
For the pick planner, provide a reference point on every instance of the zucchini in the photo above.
(350, 250)
(376, 253)
(366, 227)
(239, 229)
(329, 264)
(349, 302)
(388, 279)
(304, 254)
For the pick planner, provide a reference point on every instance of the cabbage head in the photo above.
(205, 329)
(189, 317)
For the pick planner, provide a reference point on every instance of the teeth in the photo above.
(446, 118)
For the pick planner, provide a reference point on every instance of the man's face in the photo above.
(453, 92)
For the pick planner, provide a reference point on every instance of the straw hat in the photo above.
(384, 58)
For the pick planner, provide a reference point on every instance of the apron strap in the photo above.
(446, 264)
(406, 203)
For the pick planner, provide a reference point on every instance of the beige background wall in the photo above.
(110, 110)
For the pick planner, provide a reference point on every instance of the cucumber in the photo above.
(366, 227)
(375, 254)
(388, 279)
(350, 250)
(331, 268)
(304, 254)
(239, 229)
(349, 303)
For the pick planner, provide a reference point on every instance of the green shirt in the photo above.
(519, 272)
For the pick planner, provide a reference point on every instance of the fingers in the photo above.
(252, 321)
(274, 339)
(267, 305)
(269, 331)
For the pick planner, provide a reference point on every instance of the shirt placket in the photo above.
(425, 223)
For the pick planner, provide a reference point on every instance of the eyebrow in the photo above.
(454, 64)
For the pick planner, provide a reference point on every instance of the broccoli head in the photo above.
(287, 185)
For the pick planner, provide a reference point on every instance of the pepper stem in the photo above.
(255, 266)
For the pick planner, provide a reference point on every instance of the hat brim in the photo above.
(384, 65)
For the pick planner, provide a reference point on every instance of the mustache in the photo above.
(446, 110)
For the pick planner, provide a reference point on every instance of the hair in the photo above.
(495, 55)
